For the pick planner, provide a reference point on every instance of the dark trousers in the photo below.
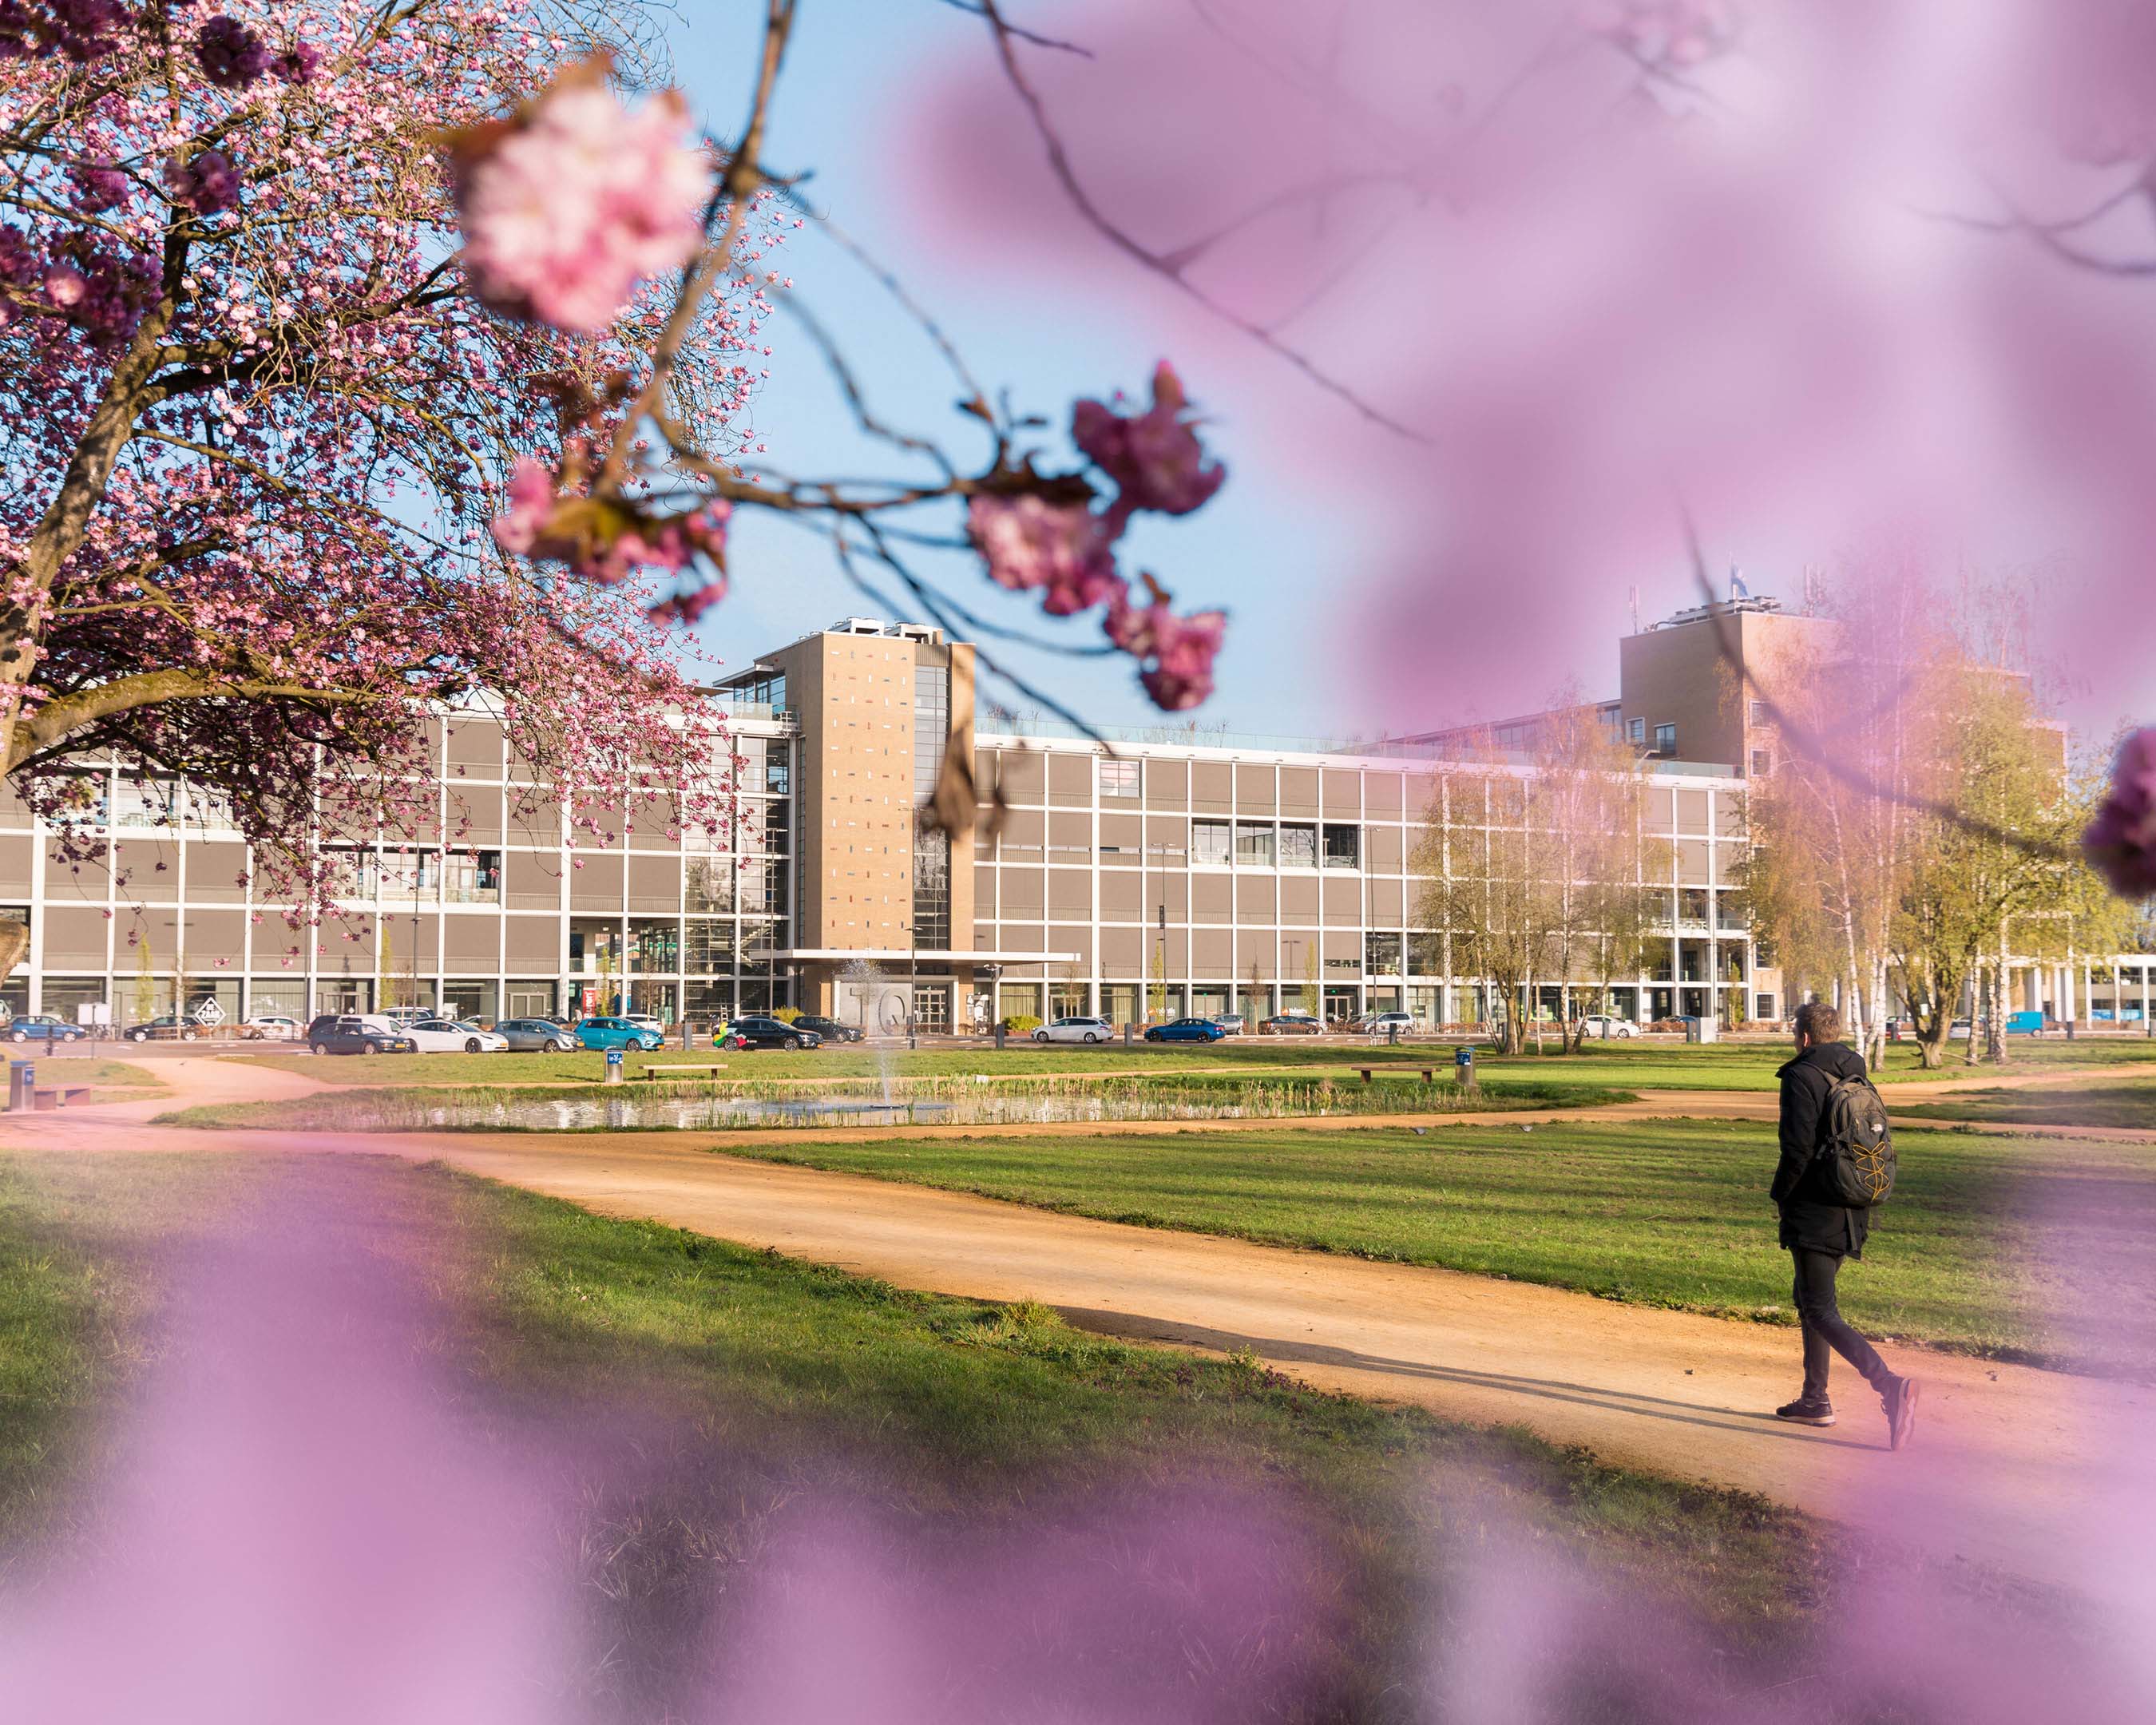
(1825, 1333)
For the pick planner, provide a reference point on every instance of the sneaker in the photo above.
(1805, 1411)
(1900, 1402)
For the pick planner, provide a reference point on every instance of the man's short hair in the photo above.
(1818, 1020)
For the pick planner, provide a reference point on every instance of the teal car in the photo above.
(617, 1032)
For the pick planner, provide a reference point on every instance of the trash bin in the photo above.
(615, 1072)
(1463, 1067)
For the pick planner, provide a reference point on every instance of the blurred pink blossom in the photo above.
(1154, 456)
(2121, 841)
(1062, 548)
(566, 208)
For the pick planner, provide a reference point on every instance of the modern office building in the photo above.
(1121, 876)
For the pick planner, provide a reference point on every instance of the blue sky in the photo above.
(1272, 557)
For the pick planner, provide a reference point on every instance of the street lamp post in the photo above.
(913, 980)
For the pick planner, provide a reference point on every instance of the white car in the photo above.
(446, 1036)
(271, 1027)
(1382, 1024)
(1075, 1030)
(1596, 1024)
(644, 1021)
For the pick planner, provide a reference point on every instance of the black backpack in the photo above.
(1856, 1144)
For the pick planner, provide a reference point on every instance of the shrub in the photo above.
(787, 1015)
(1021, 1023)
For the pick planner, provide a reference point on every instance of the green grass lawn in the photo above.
(779, 1388)
(1631, 1066)
(1667, 1214)
(2122, 1103)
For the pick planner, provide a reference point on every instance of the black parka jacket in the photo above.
(1811, 1218)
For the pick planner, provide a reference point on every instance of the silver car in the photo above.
(1075, 1030)
(535, 1036)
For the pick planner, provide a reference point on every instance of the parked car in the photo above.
(645, 1021)
(1292, 1023)
(1075, 1030)
(43, 1027)
(535, 1035)
(830, 1029)
(617, 1033)
(1383, 1024)
(270, 1027)
(358, 1033)
(404, 1015)
(450, 1036)
(1600, 1025)
(1187, 1031)
(166, 1027)
(769, 1033)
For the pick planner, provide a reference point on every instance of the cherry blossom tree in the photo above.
(364, 357)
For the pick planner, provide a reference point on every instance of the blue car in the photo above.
(617, 1032)
(43, 1028)
(1187, 1031)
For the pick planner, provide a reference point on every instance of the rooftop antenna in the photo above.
(1635, 610)
(1738, 589)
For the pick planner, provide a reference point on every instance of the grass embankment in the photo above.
(2130, 1102)
(1632, 1066)
(670, 1107)
(1988, 1245)
(110, 1081)
(784, 1390)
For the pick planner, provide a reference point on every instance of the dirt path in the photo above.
(2013, 1464)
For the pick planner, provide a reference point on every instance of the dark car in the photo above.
(830, 1029)
(1292, 1023)
(165, 1028)
(769, 1033)
(350, 1033)
(42, 1027)
(1186, 1030)
(541, 1036)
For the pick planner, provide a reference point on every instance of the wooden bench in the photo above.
(653, 1071)
(45, 1097)
(1429, 1073)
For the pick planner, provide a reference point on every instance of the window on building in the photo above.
(1298, 846)
(1762, 1008)
(473, 877)
(1666, 742)
(707, 947)
(1636, 729)
(1729, 911)
(1762, 763)
(1426, 955)
(1381, 954)
(1254, 844)
(1343, 846)
(1210, 842)
(776, 771)
(1119, 779)
(1759, 711)
(1692, 904)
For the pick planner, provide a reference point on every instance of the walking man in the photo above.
(1819, 1230)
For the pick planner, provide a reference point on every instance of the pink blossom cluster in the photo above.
(84, 281)
(1154, 456)
(609, 541)
(1050, 539)
(207, 184)
(78, 30)
(2121, 842)
(569, 205)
